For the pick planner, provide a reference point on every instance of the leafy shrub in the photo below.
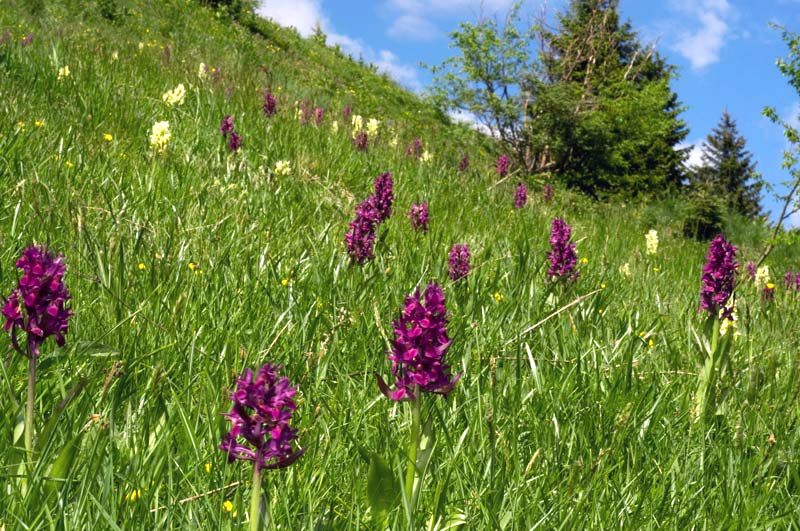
(703, 217)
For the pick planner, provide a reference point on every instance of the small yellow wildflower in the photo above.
(63, 73)
(39, 123)
(141, 46)
(21, 126)
(498, 297)
(584, 260)
(656, 269)
(651, 343)
(69, 164)
(602, 286)
(141, 266)
(227, 506)
(207, 468)
(770, 285)
(642, 334)
(133, 495)
(193, 266)
(108, 137)
(426, 156)
(285, 282)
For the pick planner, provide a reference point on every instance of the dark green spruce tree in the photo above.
(728, 169)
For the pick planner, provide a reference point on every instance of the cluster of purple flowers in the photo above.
(361, 141)
(503, 164)
(414, 149)
(418, 215)
(463, 164)
(319, 115)
(521, 196)
(547, 192)
(346, 112)
(718, 277)
(374, 210)
(260, 416)
(37, 306)
(458, 262)
(792, 280)
(419, 347)
(562, 255)
(270, 106)
(228, 132)
(751, 270)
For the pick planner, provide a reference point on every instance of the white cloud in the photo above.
(405, 74)
(710, 23)
(413, 26)
(466, 117)
(695, 157)
(304, 15)
(416, 18)
(793, 222)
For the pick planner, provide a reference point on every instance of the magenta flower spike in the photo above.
(270, 106)
(419, 347)
(38, 305)
(262, 410)
(521, 196)
(361, 141)
(458, 262)
(414, 149)
(547, 193)
(361, 235)
(562, 255)
(463, 164)
(226, 126)
(384, 196)
(418, 215)
(503, 164)
(719, 274)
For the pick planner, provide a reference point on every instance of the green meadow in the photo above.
(187, 266)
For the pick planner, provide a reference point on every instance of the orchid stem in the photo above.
(411, 471)
(255, 500)
(30, 407)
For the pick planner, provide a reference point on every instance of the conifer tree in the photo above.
(728, 169)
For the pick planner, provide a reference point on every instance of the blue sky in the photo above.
(725, 52)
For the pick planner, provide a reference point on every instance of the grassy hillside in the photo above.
(188, 266)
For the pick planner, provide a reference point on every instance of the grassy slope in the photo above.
(543, 429)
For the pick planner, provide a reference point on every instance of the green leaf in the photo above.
(58, 410)
(382, 491)
(61, 467)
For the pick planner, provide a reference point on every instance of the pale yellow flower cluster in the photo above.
(651, 241)
(63, 73)
(729, 324)
(175, 96)
(762, 277)
(283, 167)
(160, 135)
(373, 125)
